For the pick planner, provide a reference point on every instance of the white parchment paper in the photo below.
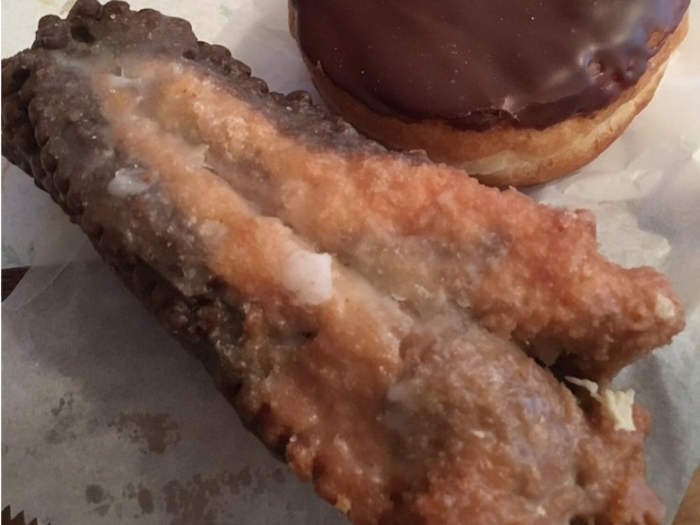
(107, 420)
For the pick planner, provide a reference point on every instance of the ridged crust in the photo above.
(52, 145)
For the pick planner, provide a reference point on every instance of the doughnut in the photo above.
(514, 92)
(376, 319)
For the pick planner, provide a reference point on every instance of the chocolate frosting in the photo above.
(476, 63)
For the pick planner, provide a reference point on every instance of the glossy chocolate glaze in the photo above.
(476, 63)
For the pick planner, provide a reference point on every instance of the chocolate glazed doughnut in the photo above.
(514, 92)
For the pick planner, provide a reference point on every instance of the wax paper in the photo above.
(107, 420)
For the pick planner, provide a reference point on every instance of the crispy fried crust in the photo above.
(401, 410)
(506, 155)
(536, 275)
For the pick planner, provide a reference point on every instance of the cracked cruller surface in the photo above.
(368, 313)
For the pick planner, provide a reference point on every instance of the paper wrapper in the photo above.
(107, 420)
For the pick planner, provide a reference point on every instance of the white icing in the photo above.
(120, 82)
(128, 182)
(508, 105)
(664, 308)
(589, 385)
(617, 404)
(307, 275)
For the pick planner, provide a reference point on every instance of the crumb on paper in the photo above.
(617, 404)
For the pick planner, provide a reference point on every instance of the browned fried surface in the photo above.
(356, 306)
(433, 238)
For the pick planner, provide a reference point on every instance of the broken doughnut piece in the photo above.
(369, 314)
